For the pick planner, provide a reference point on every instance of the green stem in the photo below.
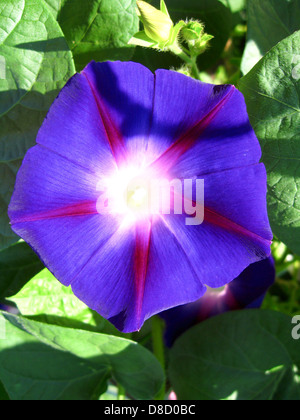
(191, 61)
(159, 350)
(121, 393)
(195, 70)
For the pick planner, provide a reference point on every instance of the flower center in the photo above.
(127, 193)
(137, 199)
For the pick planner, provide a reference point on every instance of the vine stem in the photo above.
(159, 350)
(191, 61)
(121, 393)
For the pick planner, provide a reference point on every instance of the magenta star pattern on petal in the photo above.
(115, 123)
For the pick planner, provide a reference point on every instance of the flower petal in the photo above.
(56, 214)
(239, 196)
(235, 232)
(124, 95)
(48, 182)
(229, 134)
(250, 287)
(123, 277)
(171, 278)
(196, 126)
(106, 283)
(74, 130)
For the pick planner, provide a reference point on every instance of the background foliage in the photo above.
(57, 348)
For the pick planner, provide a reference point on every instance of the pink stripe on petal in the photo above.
(217, 219)
(79, 209)
(143, 237)
(184, 143)
(114, 137)
(225, 223)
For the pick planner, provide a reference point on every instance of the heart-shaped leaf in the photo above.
(268, 23)
(272, 93)
(47, 362)
(35, 64)
(97, 29)
(242, 355)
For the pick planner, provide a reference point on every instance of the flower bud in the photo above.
(157, 24)
(193, 31)
(202, 44)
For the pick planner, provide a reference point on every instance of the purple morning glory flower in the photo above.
(117, 122)
(247, 291)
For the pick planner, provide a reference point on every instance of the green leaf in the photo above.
(37, 64)
(217, 19)
(46, 299)
(18, 264)
(272, 93)
(98, 29)
(8, 171)
(242, 355)
(3, 394)
(47, 362)
(54, 6)
(46, 295)
(269, 22)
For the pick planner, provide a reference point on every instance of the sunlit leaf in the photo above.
(47, 362)
(272, 93)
